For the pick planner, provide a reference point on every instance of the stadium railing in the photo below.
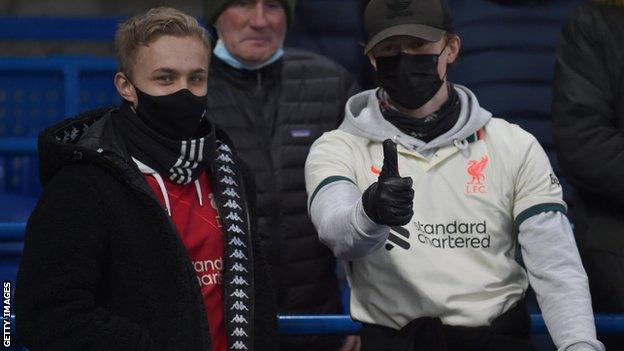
(343, 324)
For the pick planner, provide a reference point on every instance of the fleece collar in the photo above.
(222, 53)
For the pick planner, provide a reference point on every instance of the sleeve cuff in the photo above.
(584, 346)
(537, 209)
(365, 226)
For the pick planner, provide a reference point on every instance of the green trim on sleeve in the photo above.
(325, 182)
(537, 209)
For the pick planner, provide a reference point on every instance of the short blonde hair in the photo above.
(145, 28)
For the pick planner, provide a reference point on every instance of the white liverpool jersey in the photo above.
(455, 259)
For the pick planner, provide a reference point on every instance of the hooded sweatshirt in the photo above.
(476, 186)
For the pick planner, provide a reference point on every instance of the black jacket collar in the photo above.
(246, 79)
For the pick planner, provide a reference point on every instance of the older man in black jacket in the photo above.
(588, 121)
(274, 103)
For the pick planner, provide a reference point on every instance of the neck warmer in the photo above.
(222, 53)
(181, 160)
(428, 127)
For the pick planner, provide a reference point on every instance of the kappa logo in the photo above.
(225, 158)
(238, 254)
(237, 242)
(234, 217)
(397, 237)
(239, 306)
(235, 229)
(240, 294)
(238, 332)
(232, 204)
(67, 136)
(238, 280)
(228, 180)
(239, 345)
(231, 193)
(224, 147)
(239, 268)
(239, 319)
(226, 169)
(475, 170)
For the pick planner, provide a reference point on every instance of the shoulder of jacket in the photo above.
(338, 137)
(80, 177)
(589, 16)
(507, 135)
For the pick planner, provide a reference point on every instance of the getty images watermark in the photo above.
(6, 313)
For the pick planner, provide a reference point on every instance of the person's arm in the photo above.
(342, 224)
(61, 274)
(590, 146)
(559, 280)
(549, 252)
(350, 222)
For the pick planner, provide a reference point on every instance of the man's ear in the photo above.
(454, 45)
(125, 88)
(372, 60)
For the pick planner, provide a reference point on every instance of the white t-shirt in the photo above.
(455, 259)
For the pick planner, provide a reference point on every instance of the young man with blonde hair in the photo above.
(143, 238)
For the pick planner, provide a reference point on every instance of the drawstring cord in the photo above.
(161, 185)
(199, 193)
(462, 145)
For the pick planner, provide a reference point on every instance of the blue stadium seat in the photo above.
(508, 60)
(37, 92)
(333, 28)
(29, 99)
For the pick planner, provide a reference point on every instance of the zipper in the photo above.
(132, 181)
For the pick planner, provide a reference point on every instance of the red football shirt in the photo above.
(201, 233)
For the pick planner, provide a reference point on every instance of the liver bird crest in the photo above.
(475, 169)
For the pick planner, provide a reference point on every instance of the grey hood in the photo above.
(363, 118)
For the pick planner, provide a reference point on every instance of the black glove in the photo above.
(389, 200)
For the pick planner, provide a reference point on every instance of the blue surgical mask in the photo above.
(222, 53)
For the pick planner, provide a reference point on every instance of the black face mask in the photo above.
(410, 80)
(176, 116)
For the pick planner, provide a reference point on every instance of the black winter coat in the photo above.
(103, 267)
(588, 123)
(273, 116)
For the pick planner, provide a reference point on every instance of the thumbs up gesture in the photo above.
(389, 200)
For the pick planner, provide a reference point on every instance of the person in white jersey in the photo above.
(425, 196)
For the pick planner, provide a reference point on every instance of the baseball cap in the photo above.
(424, 19)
